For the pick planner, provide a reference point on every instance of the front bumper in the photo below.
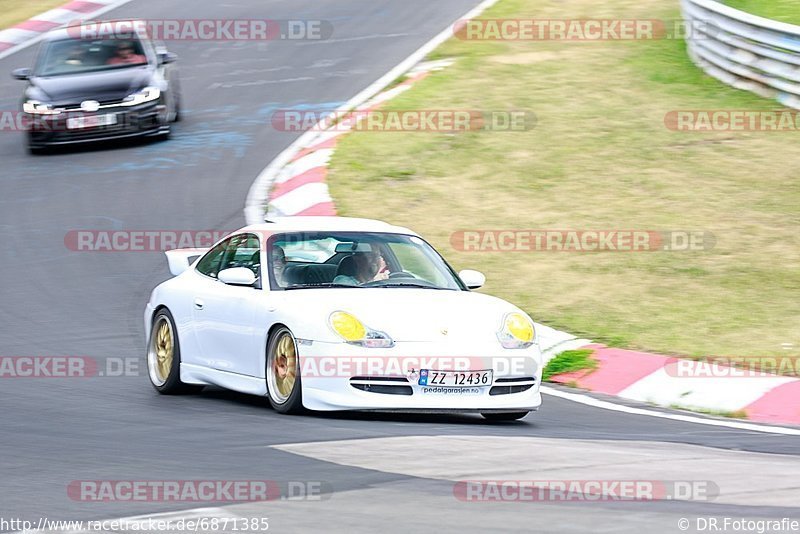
(141, 121)
(338, 376)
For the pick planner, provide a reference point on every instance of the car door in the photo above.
(225, 315)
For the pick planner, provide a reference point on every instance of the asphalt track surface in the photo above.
(58, 302)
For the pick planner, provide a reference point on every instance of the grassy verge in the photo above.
(738, 414)
(599, 158)
(568, 362)
(782, 10)
(15, 11)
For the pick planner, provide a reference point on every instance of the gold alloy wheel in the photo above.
(162, 351)
(282, 368)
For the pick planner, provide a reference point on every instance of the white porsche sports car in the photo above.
(333, 313)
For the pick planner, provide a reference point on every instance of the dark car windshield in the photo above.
(76, 56)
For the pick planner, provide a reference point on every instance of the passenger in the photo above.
(279, 265)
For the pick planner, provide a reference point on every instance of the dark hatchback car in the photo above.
(95, 89)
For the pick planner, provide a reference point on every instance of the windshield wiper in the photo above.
(418, 286)
(314, 286)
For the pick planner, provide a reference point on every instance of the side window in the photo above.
(243, 251)
(209, 264)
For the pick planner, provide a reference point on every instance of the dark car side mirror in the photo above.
(165, 58)
(21, 74)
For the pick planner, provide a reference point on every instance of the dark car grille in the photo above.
(384, 389)
(515, 385)
(76, 106)
(393, 385)
(129, 121)
(386, 385)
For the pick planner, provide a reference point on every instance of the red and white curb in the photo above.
(694, 385)
(31, 31)
(293, 189)
(299, 188)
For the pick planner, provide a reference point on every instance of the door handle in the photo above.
(198, 304)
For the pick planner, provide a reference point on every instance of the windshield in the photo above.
(75, 56)
(356, 260)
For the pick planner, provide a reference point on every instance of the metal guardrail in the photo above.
(745, 51)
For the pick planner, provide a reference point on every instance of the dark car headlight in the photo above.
(148, 94)
(34, 107)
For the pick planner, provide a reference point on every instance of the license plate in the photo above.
(91, 121)
(455, 379)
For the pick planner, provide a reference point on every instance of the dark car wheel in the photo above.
(36, 150)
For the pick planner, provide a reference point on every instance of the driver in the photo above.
(368, 266)
(76, 56)
(125, 55)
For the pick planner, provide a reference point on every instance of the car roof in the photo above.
(326, 224)
(68, 31)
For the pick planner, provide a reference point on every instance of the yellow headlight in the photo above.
(347, 326)
(520, 327)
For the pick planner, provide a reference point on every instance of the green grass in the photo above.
(599, 158)
(738, 414)
(782, 10)
(15, 11)
(568, 362)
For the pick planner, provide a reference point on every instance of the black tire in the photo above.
(166, 379)
(279, 366)
(506, 416)
(37, 150)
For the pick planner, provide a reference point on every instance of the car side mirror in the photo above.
(472, 279)
(21, 74)
(237, 276)
(165, 58)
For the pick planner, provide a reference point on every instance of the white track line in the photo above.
(605, 405)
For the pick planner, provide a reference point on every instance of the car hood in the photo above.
(105, 86)
(407, 315)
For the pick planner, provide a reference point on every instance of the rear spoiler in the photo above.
(181, 259)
